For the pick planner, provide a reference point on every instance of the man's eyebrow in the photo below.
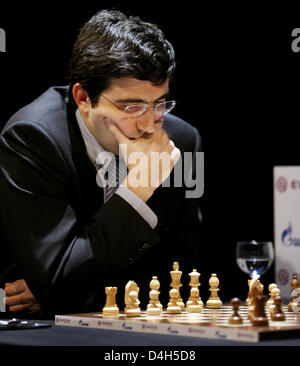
(136, 100)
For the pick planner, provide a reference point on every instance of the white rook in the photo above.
(286, 226)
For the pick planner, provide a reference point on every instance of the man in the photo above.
(69, 233)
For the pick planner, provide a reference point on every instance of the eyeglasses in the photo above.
(136, 110)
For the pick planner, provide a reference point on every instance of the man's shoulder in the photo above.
(44, 112)
(185, 136)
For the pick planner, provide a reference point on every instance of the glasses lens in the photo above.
(135, 109)
(165, 107)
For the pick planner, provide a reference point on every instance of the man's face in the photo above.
(125, 91)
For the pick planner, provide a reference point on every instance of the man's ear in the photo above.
(81, 98)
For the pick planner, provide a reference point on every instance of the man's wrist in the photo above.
(139, 205)
(144, 193)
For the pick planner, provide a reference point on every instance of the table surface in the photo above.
(75, 336)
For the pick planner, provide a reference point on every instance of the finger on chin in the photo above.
(116, 131)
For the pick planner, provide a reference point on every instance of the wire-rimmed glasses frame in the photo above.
(138, 109)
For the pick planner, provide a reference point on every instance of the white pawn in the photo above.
(154, 307)
(173, 307)
(214, 301)
(194, 305)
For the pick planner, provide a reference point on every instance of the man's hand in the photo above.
(148, 150)
(18, 297)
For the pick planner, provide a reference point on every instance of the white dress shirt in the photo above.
(93, 148)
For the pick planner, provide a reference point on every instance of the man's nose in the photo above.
(147, 122)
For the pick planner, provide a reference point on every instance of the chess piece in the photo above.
(133, 308)
(259, 318)
(270, 301)
(154, 307)
(173, 307)
(195, 305)
(294, 304)
(235, 317)
(176, 284)
(255, 290)
(254, 283)
(194, 283)
(251, 283)
(277, 314)
(275, 291)
(248, 298)
(110, 307)
(214, 301)
(131, 299)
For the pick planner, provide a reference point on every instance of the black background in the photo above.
(237, 81)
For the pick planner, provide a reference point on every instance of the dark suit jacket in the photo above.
(62, 238)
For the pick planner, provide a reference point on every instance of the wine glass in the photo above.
(254, 258)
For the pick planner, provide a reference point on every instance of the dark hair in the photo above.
(112, 45)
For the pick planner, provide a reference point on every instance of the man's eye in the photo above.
(133, 108)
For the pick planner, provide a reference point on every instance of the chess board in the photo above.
(210, 323)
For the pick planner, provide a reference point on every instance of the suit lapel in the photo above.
(92, 197)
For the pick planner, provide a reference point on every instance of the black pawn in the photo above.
(235, 317)
(277, 314)
(259, 316)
